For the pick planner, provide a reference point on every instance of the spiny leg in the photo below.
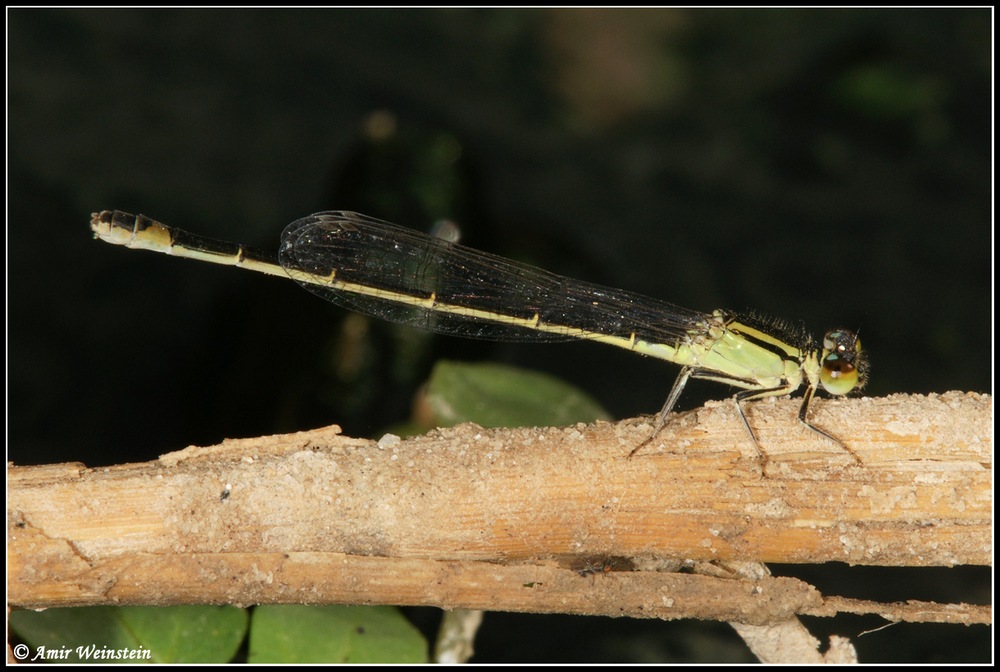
(739, 398)
(668, 405)
(805, 421)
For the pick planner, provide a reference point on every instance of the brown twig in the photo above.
(493, 519)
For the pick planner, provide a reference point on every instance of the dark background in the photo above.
(818, 165)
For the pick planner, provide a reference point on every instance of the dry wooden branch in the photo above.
(505, 519)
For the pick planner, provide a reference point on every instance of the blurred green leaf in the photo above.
(182, 634)
(493, 395)
(337, 634)
(882, 91)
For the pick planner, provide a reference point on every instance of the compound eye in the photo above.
(842, 362)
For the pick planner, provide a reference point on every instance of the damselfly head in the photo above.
(844, 364)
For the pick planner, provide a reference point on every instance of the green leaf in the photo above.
(493, 395)
(337, 634)
(184, 634)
